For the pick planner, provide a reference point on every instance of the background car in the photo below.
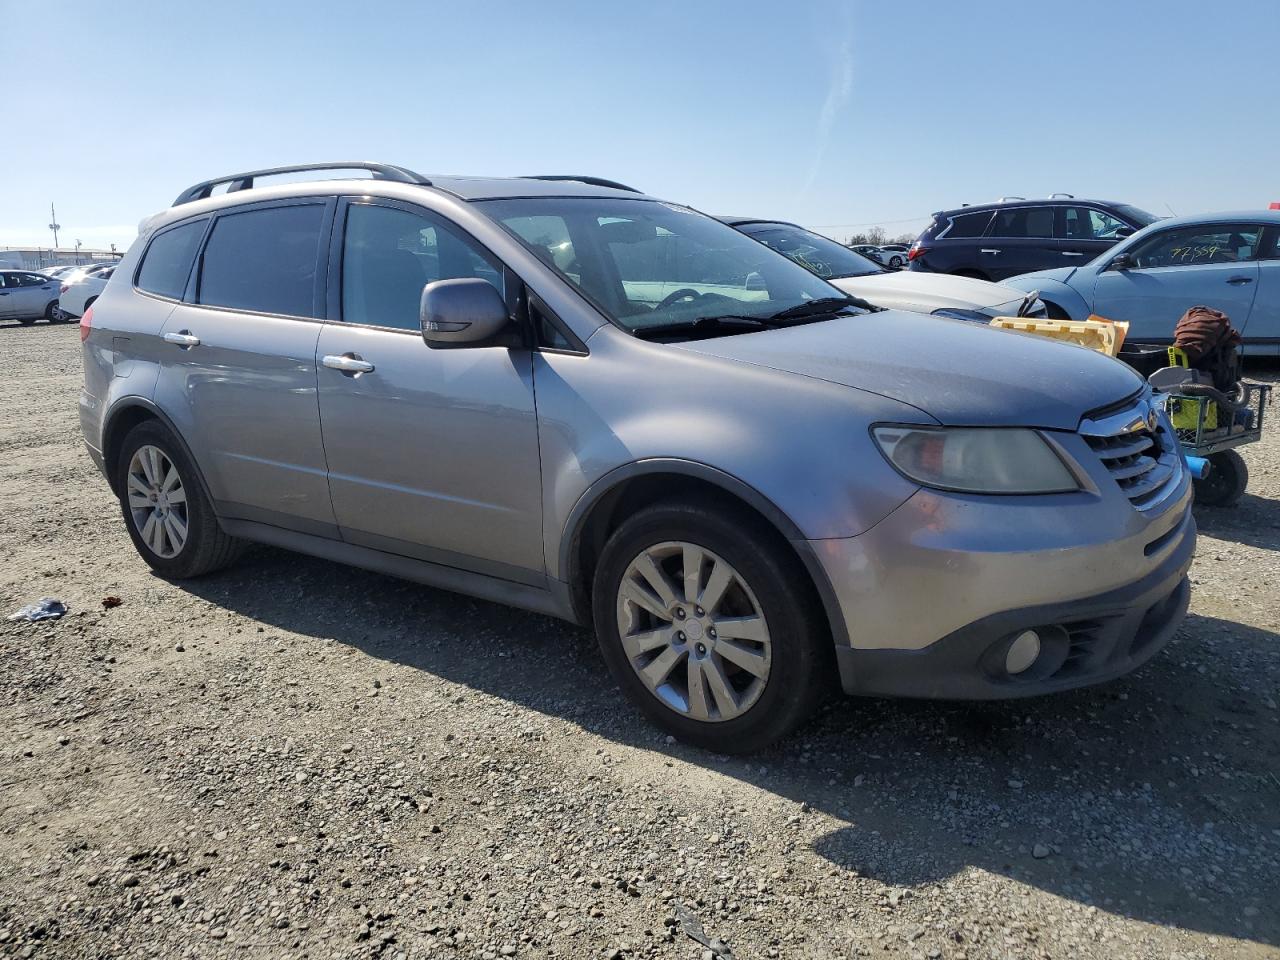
(960, 298)
(994, 241)
(1228, 261)
(26, 296)
(870, 251)
(79, 292)
(894, 255)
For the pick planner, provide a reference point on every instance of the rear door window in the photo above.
(967, 226)
(167, 263)
(264, 260)
(1023, 222)
(1086, 223)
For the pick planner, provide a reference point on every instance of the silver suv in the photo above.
(562, 394)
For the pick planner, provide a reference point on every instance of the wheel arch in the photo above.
(124, 415)
(617, 494)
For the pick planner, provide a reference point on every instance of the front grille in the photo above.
(1138, 449)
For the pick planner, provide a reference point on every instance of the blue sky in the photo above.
(834, 114)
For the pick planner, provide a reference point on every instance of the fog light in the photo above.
(1022, 652)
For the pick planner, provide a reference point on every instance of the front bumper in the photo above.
(1087, 641)
(930, 598)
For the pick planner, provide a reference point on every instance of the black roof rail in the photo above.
(244, 181)
(591, 181)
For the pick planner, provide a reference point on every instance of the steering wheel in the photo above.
(684, 293)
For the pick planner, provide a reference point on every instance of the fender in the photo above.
(726, 482)
(132, 401)
(1063, 294)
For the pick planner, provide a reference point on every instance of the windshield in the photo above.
(1138, 216)
(817, 254)
(648, 265)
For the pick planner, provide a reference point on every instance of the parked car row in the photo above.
(566, 395)
(55, 294)
(891, 255)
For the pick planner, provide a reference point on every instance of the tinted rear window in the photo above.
(167, 262)
(967, 225)
(1023, 222)
(264, 260)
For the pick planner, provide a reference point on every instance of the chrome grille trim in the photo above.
(1137, 447)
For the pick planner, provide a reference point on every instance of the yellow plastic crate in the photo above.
(1096, 333)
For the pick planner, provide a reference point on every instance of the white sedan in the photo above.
(80, 290)
(960, 298)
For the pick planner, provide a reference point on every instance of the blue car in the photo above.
(1228, 261)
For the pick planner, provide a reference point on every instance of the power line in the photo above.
(869, 223)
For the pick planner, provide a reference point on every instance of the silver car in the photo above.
(565, 395)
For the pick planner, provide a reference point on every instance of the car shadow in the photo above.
(1254, 521)
(1154, 797)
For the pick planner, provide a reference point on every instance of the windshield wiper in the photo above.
(704, 326)
(823, 306)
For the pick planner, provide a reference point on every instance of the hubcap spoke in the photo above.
(643, 598)
(755, 663)
(717, 583)
(176, 530)
(170, 479)
(721, 689)
(692, 572)
(660, 667)
(638, 644)
(698, 707)
(656, 579)
(742, 628)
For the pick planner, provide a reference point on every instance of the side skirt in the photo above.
(546, 600)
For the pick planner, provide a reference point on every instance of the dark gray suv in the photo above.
(566, 395)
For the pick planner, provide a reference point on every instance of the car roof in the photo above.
(1224, 216)
(743, 221)
(1028, 202)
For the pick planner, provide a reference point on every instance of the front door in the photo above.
(1085, 232)
(432, 453)
(1264, 320)
(1211, 264)
(237, 370)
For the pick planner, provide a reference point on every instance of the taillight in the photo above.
(916, 251)
(86, 323)
(64, 288)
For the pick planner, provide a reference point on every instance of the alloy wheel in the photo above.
(693, 631)
(157, 501)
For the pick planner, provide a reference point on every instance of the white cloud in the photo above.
(839, 90)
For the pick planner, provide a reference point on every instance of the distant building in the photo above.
(35, 258)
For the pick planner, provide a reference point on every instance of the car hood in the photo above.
(1028, 281)
(926, 292)
(959, 373)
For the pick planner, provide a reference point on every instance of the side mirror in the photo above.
(1121, 261)
(463, 311)
(1122, 232)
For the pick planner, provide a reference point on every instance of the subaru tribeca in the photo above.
(565, 395)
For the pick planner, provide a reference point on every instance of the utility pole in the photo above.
(54, 225)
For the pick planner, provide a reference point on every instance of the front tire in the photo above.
(710, 626)
(895, 263)
(168, 516)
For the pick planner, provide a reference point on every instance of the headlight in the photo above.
(957, 313)
(976, 459)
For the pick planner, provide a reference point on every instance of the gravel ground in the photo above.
(298, 759)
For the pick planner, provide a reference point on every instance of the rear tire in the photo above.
(895, 263)
(53, 313)
(766, 668)
(166, 511)
(1226, 482)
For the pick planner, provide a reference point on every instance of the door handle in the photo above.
(1071, 253)
(348, 363)
(184, 339)
(988, 251)
(1239, 280)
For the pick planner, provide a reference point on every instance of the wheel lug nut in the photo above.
(712, 633)
(680, 614)
(680, 635)
(699, 611)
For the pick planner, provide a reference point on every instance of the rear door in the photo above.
(1083, 233)
(1019, 240)
(432, 453)
(1211, 264)
(238, 371)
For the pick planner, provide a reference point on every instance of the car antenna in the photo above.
(1172, 212)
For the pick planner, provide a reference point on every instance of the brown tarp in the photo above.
(1203, 330)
